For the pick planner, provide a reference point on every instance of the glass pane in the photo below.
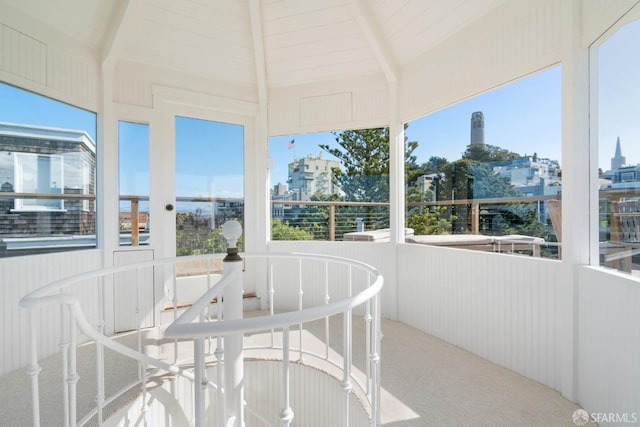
(331, 186)
(133, 178)
(485, 174)
(619, 151)
(209, 183)
(47, 175)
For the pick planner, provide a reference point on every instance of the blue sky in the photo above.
(209, 158)
(523, 116)
(18, 106)
(619, 95)
(133, 157)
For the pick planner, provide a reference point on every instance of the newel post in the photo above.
(233, 309)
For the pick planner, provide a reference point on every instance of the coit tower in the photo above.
(477, 128)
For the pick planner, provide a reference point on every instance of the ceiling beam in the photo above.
(113, 41)
(255, 13)
(374, 37)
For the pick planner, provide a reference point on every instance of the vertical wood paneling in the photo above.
(55, 68)
(326, 109)
(379, 255)
(21, 275)
(22, 55)
(126, 294)
(316, 398)
(368, 106)
(72, 76)
(132, 92)
(500, 307)
(608, 342)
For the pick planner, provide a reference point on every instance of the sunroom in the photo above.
(476, 157)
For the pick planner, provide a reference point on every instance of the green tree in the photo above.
(488, 153)
(486, 183)
(427, 222)
(194, 235)
(364, 158)
(364, 172)
(283, 231)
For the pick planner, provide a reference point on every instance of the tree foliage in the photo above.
(364, 157)
(472, 178)
(283, 231)
(195, 235)
(364, 173)
(427, 222)
(488, 153)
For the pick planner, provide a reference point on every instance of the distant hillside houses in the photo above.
(532, 175)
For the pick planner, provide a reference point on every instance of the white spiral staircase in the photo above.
(311, 358)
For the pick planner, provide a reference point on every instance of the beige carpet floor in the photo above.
(425, 382)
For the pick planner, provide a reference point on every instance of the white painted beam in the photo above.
(112, 45)
(375, 39)
(575, 185)
(257, 34)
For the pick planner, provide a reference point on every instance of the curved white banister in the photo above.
(187, 325)
(183, 328)
(36, 297)
(262, 323)
(196, 308)
(90, 331)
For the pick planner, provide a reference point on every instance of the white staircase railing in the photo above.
(353, 295)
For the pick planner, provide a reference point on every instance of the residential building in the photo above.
(311, 175)
(41, 160)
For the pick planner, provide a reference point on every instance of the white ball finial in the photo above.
(232, 230)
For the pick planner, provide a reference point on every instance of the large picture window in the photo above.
(47, 175)
(331, 186)
(618, 107)
(485, 174)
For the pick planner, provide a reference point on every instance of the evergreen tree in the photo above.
(364, 157)
(364, 172)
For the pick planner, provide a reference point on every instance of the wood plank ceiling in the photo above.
(298, 41)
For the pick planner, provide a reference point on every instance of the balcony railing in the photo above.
(332, 220)
(47, 222)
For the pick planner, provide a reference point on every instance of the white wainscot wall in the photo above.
(21, 275)
(608, 353)
(504, 308)
(379, 255)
